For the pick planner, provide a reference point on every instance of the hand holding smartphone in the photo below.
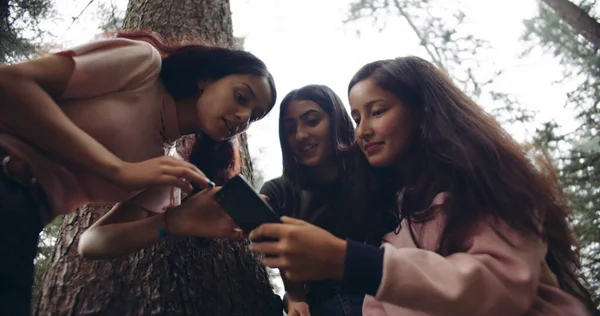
(244, 205)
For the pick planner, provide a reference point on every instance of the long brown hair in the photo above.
(184, 63)
(341, 130)
(462, 150)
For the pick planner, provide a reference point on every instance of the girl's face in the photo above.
(308, 133)
(227, 106)
(384, 124)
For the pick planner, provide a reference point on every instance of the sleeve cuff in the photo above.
(363, 268)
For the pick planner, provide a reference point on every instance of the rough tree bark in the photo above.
(180, 276)
(579, 20)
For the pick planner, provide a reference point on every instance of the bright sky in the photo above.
(304, 42)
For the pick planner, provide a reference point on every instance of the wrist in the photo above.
(111, 169)
(338, 258)
(172, 222)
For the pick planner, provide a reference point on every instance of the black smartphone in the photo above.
(244, 205)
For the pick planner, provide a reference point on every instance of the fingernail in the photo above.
(211, 184)
(239, 230)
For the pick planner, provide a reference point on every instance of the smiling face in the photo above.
(384, 124)
(308, 133)
(227, 106)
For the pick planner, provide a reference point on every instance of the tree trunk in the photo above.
(578, 19)
(180, 276)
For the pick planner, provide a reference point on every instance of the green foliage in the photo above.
(111, 16)
(576, 155)
(20, 35)
(580, 59)
(42, 260)
(441, 30)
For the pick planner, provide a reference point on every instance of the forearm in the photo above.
(363, 267)
(31, 112)
(117, 239)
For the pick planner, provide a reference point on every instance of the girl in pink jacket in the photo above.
(482, 229)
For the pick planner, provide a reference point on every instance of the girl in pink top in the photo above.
(97, 123)
(482, 229)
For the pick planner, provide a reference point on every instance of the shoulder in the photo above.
(274, 185)
(134, 47)
(111, 65)
(126, 54)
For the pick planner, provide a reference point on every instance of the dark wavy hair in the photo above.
(365, 215)
(460, 149)
(341, 129)
(186, 63)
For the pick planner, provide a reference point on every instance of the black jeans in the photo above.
(20, 226)
(341, 304)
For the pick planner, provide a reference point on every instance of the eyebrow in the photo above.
(250, 88)
(303, 115)
(309, 112)
(367, 105)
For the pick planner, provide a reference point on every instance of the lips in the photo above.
(229, 128)
(306, 150)
(308, 147)
(372, 147)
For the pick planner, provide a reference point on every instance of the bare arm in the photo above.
(27, 92)
(128, 227)
(124, 229)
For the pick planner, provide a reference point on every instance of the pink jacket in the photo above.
(494, 275)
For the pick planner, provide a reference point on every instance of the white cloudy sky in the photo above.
(305, 42)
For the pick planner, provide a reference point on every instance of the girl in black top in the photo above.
(315, 132)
